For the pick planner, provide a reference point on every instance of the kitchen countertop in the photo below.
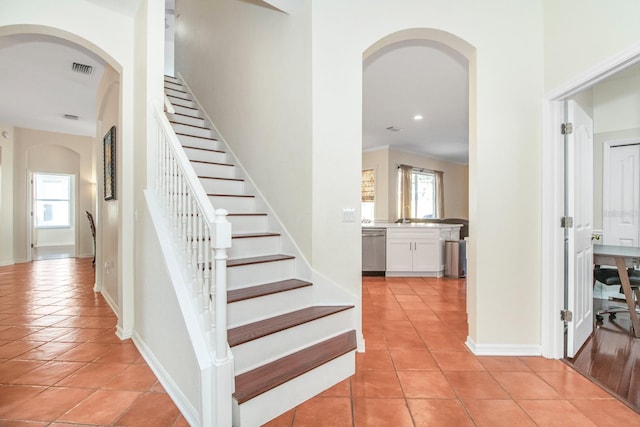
(408, 225)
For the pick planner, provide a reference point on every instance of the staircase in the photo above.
(286, 348)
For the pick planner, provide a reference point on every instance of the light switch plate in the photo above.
(348, 215)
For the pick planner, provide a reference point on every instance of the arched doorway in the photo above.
(455, 139)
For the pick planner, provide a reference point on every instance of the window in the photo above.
(368, 194)
(419, 193)
(52, 200)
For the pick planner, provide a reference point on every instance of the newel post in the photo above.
(220, 242)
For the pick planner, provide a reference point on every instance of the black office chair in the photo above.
(610, 277)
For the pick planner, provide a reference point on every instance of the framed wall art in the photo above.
(109, 147)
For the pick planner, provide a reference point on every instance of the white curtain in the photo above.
(439, 202)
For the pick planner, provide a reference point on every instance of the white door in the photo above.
(621, 195)
(579, 195)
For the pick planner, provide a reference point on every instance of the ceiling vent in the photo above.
(394, 129)
(82, 68)
(70, 117)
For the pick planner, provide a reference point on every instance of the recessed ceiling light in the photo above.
(417, 117)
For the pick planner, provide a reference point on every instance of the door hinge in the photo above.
(566, 315)
(566, 128)
(566, 222)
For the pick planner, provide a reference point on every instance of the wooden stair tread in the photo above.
(173, 122)
(203, 149)
(196, 136)
(178, 97)
(187, 115)
(257, 260)
(243, 294)
(246, 196)
(247, 214)
(251, 235)
(270, 376)
(217, 177)
(211, 163)
(262, 328)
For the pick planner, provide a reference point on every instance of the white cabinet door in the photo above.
(399, 254)
(426, 255)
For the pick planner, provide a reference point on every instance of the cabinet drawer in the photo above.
(412, 233)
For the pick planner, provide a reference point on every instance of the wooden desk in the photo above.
(621, 256)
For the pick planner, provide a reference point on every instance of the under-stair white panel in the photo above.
(205, 155)
(254, 246)
(247, 311)
(216, 170)
(194, 141)
(264, 350)
(222, 186)
(261, 409)
(256, 274)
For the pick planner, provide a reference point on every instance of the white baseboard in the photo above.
(186, 408)
(6, 262)
(503, 349)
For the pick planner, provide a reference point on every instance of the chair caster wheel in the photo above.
(612, 316)
(599, 318)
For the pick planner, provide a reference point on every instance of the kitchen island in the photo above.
(416, 249)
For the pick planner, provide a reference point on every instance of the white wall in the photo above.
(504, 171)
(107, 215)
(580, 34)
(386, 162)
(6, 195)
(250, 67)
(40, 151)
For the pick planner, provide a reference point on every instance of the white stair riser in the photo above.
(264, 350)
(187, 120)
(247, 311)
(254, 246)
(205, 155)
(234, 204)
(208, 169)
(193, 141)
(178, 93)
(187, 111)
(222, 186)
(170, 82)
(179, 101)
(256, 274)
(263, 408)
(191, 130)
(248, 223)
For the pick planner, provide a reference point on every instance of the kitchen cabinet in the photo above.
(418, 251)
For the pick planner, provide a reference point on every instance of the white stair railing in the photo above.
(204, 234)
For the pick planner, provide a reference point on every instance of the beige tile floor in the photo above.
(62, 365)
(418, 372)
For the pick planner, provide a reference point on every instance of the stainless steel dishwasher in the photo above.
(374, 251)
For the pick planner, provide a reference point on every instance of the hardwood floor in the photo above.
(612, 357)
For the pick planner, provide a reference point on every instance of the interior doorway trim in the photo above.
(552, 256)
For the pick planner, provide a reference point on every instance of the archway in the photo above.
(459, 48)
